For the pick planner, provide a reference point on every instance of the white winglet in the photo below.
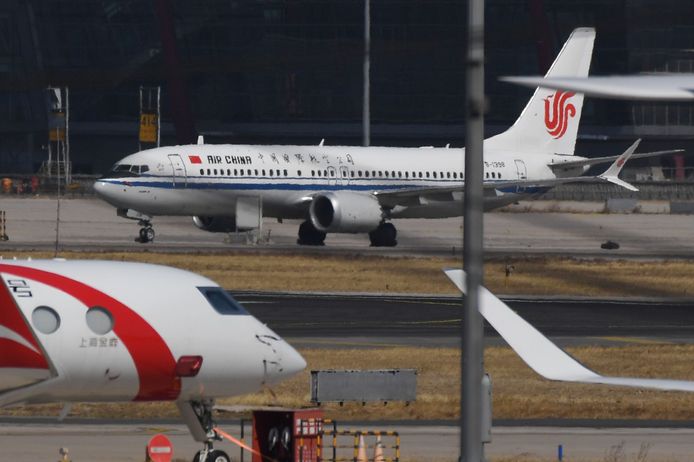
(612, 172)
(543, 356)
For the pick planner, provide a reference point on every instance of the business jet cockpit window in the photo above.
(221, 301)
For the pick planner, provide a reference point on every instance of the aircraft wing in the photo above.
(654, 87)
(543, 356)
(392, 198)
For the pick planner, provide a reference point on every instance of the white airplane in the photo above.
(97, 331)
(649, 87)
(349, 189)
(543, 356)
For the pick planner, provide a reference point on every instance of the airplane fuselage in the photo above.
(113, 331)
(207, 180)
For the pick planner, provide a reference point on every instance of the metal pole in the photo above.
(57, 207)
(366, 116)
(66, 158)
(473, 335)
(139, 127)
(158, 115)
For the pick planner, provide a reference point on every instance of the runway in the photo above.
(91, 224)
(311, 319)
(113, 442)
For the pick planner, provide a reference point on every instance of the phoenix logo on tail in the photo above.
(558, 112)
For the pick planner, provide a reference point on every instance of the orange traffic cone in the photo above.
(361, 452)
(378, 450)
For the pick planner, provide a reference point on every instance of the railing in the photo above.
(384, 445)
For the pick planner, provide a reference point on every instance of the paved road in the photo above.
(33, 442)
(93, 224)
(435, 320)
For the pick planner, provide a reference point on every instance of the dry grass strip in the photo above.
(361, 273)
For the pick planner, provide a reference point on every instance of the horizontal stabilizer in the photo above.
(613, 171)
(543, 356)
(606, 159)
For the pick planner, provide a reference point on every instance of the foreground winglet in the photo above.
(612, 172)
(543, 356)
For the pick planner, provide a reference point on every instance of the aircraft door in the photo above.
(180, 177)
(521, 169)
(332, 176)
(343, 177)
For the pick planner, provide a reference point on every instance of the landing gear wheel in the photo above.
(212, 456)
(146, 234)
(384, 236)
(309, 235)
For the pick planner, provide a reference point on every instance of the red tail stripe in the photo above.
(11, 317)
(153, 359)
(19, 356)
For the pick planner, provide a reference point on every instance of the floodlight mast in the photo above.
(471, 448)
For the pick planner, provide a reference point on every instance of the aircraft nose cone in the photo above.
(106, 191)
(99, 187)
(292, 361)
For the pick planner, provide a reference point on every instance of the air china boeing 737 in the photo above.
(348, 189)
(100, 331)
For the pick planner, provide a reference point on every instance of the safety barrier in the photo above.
(357, 445)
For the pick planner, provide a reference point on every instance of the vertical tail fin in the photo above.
(549, 122)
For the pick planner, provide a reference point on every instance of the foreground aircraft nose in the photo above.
(292, 361)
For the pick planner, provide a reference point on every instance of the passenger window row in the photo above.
(344, 173)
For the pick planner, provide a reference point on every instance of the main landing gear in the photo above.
(146, 232)
(309, 235)
(384, 236)
(198, 417)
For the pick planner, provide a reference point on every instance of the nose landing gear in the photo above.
(146, 232)
(145, 221)
(197, 415)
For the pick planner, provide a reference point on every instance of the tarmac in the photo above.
(114, 442)
(91, 224)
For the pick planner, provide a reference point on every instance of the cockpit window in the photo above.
(221, 301)
(127, 170)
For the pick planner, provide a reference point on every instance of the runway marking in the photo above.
(436, 321)
(636, 340)
(344, 343)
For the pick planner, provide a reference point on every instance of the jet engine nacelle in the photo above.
(345, 212)
(215, 224)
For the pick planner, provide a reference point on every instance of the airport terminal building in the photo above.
(291, 71)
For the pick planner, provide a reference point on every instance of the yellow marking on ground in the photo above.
(637, 340)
